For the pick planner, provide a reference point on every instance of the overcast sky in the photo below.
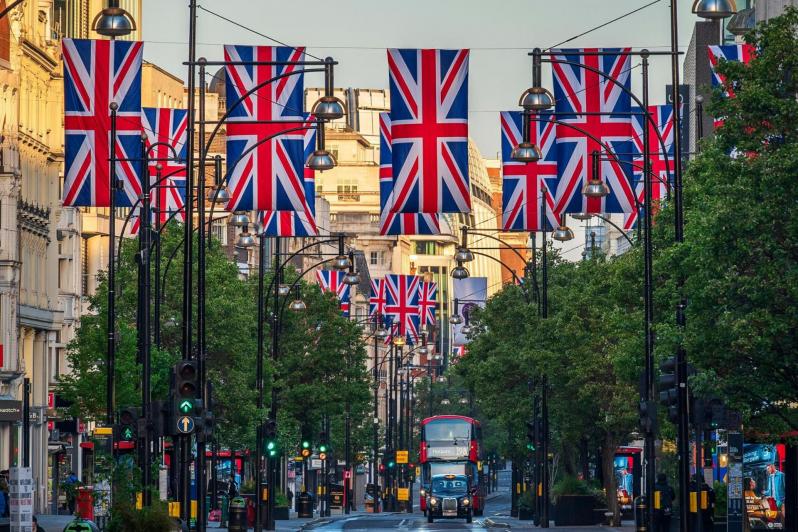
(356, 33)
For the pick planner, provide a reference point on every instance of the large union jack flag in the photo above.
(661, 175)
(731, 52)
(96, 74)
(427, 302)
(581, 96)
(293, 223)
(401, 305)
(377, 299)
(265, 175)
(166, 131)
(429, 113)
(398, 223)
(333, 281)
(522, 183)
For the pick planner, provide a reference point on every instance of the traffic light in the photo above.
(270, 436)
(530, 435)
(390, 458)
(306, 450)
(186, 388)
(669, 388)
(128, 424)
(648, 416)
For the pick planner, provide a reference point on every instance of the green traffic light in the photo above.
(530, 447)
(306, 444)
(322, 448)
(271, 446)
(127, 434)
(186, 406)
(390, 464)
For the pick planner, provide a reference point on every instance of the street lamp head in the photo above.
(563, 233)
(714, 9)
(219, 195)
(321, 160)
(114, 22)
(463, 401)
(459, 271)
(423, 350)
(283, 290)
(398, 340)
(595, 188)
(456, 319)
(341, 262)
(582, 216)
(463, 255)
(437, 356)
(536, 99)
(352, 278)
(467, 329)
(245, 240)
(328, 108)
(445, 402)
(441, 379)
(297, 305)
(526, 152)
(239, 219)
(382, 333)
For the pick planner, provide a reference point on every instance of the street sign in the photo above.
(403, 494)
(185, 425)
(402, 457)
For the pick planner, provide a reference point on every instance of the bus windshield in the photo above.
(453, 431)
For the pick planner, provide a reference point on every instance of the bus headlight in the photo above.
(466, 501)
(433, 501)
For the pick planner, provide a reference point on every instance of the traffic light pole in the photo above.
(145, 245)
(259, 382)
(271, 462)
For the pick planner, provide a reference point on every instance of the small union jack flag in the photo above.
(732, 52)
(96, 74)
(268, 175)
(377, 299)
(166, 128)
(292, 223)
(429, 113)
(581, 96)
(402, 304)
(333, 281)
(395, 223)
(427, 302)
(522, 183)
(661, 162)
(459, 351)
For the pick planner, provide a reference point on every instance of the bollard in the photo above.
(641, 509)
(237, 515)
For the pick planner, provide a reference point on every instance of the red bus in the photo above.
(452, 445)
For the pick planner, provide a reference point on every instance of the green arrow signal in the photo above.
(127, 433)
(186, 406)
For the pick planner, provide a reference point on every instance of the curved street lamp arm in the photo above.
(631, 95)
(518, 279)
(615, 226)
(299, 278)
(499, 240)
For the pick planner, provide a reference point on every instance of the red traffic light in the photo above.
(411, 465)
(382, 468)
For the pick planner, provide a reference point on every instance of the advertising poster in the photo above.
(628, 473)
(471, 293)
(764, 485)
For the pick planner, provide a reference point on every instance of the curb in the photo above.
(318, 521)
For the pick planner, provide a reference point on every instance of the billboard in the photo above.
(764, 485)
(471, 293)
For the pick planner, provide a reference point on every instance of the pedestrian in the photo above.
(663, 512)
(290, 495)
(4, 503)
(708, 513)
(36, 527)
(71, 487)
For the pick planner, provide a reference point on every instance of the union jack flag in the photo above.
(393, 330)
(333, 281)
(166, 128)
(265, 176)
(292, 223)
(732, 52)
(429, 113)
(402, 304)
(661, 162)
(459, 351)
(96, 74)
(398, 223)
(377, 299)
(522, 183)
(580, 96)
(427, 302)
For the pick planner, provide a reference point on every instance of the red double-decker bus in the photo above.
(452, 445)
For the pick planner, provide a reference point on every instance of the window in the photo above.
(347, 190)
(427, 248)
(375, 258)
(218, 229)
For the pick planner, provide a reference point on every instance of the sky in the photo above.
(499, 33)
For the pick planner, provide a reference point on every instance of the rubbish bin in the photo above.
(237, 515)
(84, 502)
(304, 506)
(81, 525)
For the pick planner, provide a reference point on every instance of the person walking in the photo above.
(663, 511)
(4, 502)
